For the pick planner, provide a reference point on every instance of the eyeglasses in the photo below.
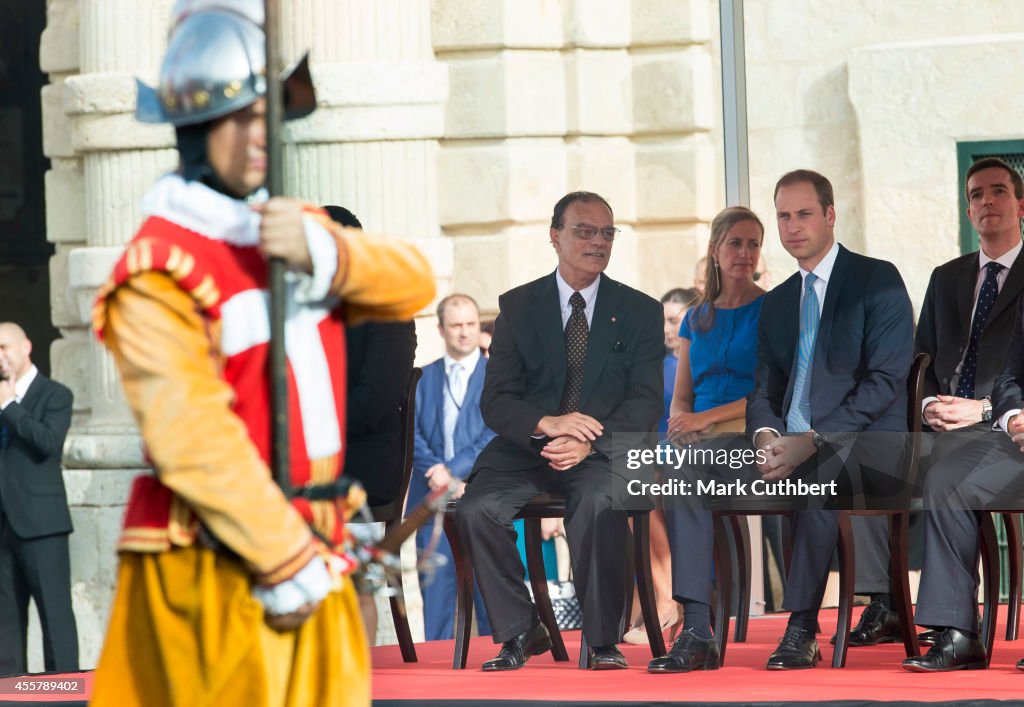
(587, 232)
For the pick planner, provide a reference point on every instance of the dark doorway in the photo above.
(24, 250)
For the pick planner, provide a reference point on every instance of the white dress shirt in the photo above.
(589, 294)
(457, 375)
(21, 387)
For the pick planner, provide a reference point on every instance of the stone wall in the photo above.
(875, 94)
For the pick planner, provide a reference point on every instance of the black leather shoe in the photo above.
(929, 637)
(798, 649)
(515, 651)
(689, 652)
(878, 624)
(1020, 664)
(955, 650)
(607, 658)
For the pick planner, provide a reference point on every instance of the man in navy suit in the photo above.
(967, 333)
(573, 383)
(835, 343)
(35, 414)
(449, 435)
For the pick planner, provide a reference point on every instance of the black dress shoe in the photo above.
(515, 651)
(607, 658)
(955, 650)
(1020, 664)
(689, 652)
(928, 638)
(878, 624)
(798, 649)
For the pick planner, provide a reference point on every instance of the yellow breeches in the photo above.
(185, 630)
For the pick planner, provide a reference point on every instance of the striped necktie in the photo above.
(799, 417)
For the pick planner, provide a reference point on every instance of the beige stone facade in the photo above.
(458, 123)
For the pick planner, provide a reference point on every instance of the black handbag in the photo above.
(568, 614)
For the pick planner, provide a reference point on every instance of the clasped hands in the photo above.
(1015, 428)
(949, 412)
(570, 438)
(440, 476)
(782, 455)
(688, 428)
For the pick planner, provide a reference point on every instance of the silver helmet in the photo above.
(216, 64)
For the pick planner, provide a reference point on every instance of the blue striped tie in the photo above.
(799, 417)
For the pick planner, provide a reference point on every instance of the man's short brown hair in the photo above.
(996, 163)
(454, 297)
(821, 185)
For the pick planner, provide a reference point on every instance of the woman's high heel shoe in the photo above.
(637, 635)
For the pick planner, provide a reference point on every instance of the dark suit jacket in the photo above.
(622, 375)
(31, 483)
(380, 361)
(1008, 390)
(471, 434)
(862, 355)
(944, 328)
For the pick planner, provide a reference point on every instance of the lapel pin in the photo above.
(613, 319)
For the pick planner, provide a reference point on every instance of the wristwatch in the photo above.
(986, 409)
(818, 439)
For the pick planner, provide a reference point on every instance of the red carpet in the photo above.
(872, 675)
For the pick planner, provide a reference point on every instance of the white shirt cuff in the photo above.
(1005, 419)
(925, 403)
(310, 584)
(323, 251)
(759, 430)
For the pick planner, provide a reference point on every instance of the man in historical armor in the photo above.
(231, 590)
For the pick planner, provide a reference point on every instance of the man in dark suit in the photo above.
(986, 472)
(967, 345)
(450, 434)
(378, 365)
(829, 404)
(35, 414)
(574, 377)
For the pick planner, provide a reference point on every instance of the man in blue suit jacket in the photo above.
(450, 433)
(835, 343)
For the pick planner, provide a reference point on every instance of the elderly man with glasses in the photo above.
(574, 380)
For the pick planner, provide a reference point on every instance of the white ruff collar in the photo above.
(197, 207)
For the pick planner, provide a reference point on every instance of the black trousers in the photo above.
(39, 568)
(985, 474)
(596, 529)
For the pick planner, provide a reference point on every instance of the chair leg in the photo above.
(399, 616)
(723, 580)
(463, 592)
(1011, 522)
(846, 577)
(584, 663)
(539, 583)
(990, 573)
(629, 581)
(645, 583)
(899, 528)
(741, 542)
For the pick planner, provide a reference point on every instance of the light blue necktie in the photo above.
(799, 417)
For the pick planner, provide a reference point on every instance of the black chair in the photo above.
(899, 521)
(391, 515)
(545, 505)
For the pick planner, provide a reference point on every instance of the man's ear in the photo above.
(830, 215)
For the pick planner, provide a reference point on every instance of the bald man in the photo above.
(35, 413)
